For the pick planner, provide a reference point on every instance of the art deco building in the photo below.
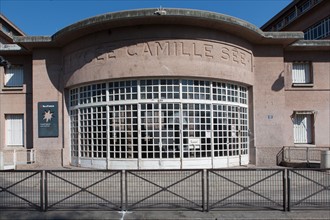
(160, 89)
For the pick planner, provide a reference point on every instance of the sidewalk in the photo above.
(215, 215)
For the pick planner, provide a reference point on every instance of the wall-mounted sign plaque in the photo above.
(48, 119)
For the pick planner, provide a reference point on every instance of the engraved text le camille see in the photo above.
(215, 52)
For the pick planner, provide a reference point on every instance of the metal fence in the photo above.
(92, 189)
(300, 155)
(21, 189)
(183, 189)
(246, 189)
(203, 190)
(309, 189)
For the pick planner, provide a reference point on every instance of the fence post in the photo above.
(46, 190)
(284, 173)
(207, 190)
(126, 191)
(122, 190)
(42, 190)
(288, 190)
(203, 189)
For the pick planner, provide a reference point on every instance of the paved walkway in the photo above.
(215, 215)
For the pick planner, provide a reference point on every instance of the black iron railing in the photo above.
(203, 190)
(21, 189)
(246, 188)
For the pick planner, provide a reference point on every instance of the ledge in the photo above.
(189, 17)
(310, 45)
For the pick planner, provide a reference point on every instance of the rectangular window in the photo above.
(303, 127)
(301, 73)
(14, 76)
(14, 130)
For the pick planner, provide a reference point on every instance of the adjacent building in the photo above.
(309, 16)
(161, 89)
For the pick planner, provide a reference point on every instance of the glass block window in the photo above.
(159, 119)
(219, 91)
(232, 93)
(98, 93)
(85, 95)
(123, 90)
(74, 127)
(196, 89)
(99, 132)
(220, 131)
(123, 131)
(74, 97)
(149, 89)
(86, 132)
(197, 130)
(150, 131)
(170, 130)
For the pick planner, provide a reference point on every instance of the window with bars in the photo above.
(14, 130)
(14, 76)
(159, 118)
(123, 131)
(301, 73)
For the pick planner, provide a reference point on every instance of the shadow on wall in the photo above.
(278, 85)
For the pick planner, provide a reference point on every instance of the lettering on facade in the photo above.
(209, 51)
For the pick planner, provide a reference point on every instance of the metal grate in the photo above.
(247, 189)
(175, 189)
(309, 188)
(84, 189)
(21, 189)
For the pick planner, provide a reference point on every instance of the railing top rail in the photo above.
(82, 170)
(162, 170)
(196, 170)
(21, 171)
(304, 147)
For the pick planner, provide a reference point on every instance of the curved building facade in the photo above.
(167, 123)
(177, 89)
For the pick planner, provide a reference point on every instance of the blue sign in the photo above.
(48, 119)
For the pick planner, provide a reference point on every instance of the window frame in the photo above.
(22, 131)
(310, 133)
(15, 86)
(310, 82)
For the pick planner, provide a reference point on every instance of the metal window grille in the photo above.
(159, 118)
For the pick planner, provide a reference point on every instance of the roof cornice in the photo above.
(172, 16)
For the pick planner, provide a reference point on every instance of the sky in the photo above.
(46, 17)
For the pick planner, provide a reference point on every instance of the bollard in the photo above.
(325, 159)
